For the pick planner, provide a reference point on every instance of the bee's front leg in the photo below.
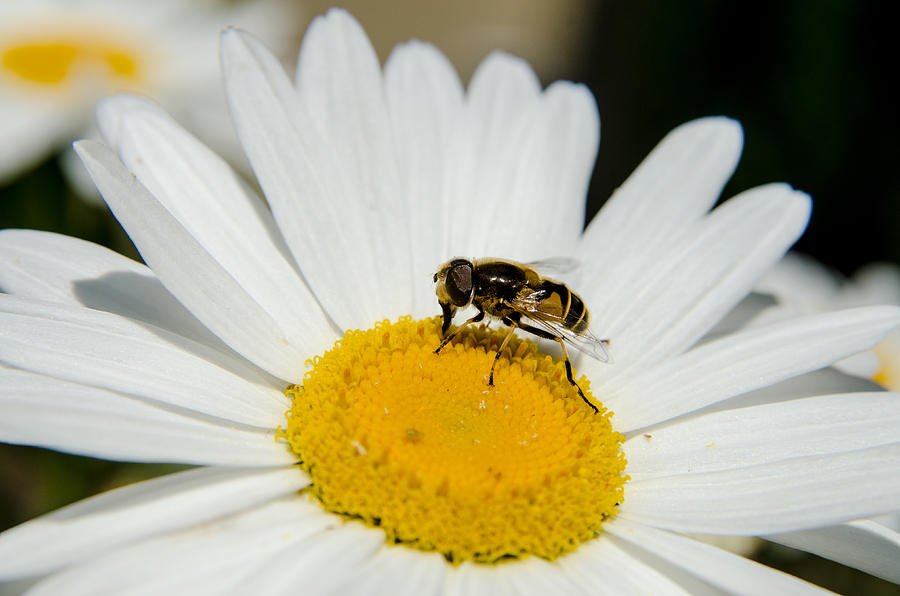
(448, 317)
(512, 324)
(477, 318)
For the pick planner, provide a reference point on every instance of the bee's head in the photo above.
(454, 283)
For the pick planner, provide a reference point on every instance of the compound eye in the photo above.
(459, 284)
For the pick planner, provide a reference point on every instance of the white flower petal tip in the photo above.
(97, 157)
(234, 46)
(799, 203)
(111, 110)
(791, 211)
(710, 147)
(234, 43)
(503, 66)
(712, 134)
(417, 51)
(329, 36)
(336, 21)
(683, 175)
(642, 301)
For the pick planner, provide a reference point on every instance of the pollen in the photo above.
(419, 445)
(54, 60)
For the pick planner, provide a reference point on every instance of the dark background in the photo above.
(808, 81)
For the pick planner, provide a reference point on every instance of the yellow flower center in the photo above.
(54, 60)
(419, 445)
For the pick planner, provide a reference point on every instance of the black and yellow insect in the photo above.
(521, 298)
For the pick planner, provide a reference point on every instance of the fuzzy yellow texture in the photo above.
(418, 444)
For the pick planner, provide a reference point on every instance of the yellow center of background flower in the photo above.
(53, 61)
(418, 444)
(888, 375)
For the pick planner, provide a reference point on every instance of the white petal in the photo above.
(471, 579)
(744, 362)
(865, 545)
(109, 120)
(746, 313)
(790, 494)
(210, 558)
(54, 414)
(864, 364)
(725, 570)
(502, 98)
(735, 439)
(122, 516)
(604, 568)
(57, 268)
(321, 563)
(544, 210)
(201, 283)
(399, 570)
(333, 234)
(339, 81)
(221, 213)
(107, 351)
(682, 295)
(523, 165)
(821, 382)
(537, 577)
(675, 185)
(425, 99)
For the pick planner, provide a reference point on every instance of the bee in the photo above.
(516, 294)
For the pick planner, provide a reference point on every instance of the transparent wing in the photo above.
(529, 306)
(555, 266)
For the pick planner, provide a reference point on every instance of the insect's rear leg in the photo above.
(546, 335)
(569, 376)
(477, 318)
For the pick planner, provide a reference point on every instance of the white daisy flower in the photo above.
(802, 285)
(58, 57)
(398, 470)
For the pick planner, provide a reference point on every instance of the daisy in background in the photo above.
(801, 285)
(59, 57)
(397, 470)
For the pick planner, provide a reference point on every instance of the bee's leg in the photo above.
(545, 335)
(477, 318)
(512, 324)
(569, 376)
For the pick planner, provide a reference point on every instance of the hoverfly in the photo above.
(516, 294)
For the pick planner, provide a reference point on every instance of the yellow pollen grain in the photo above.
(52, 61)
(419, 444)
